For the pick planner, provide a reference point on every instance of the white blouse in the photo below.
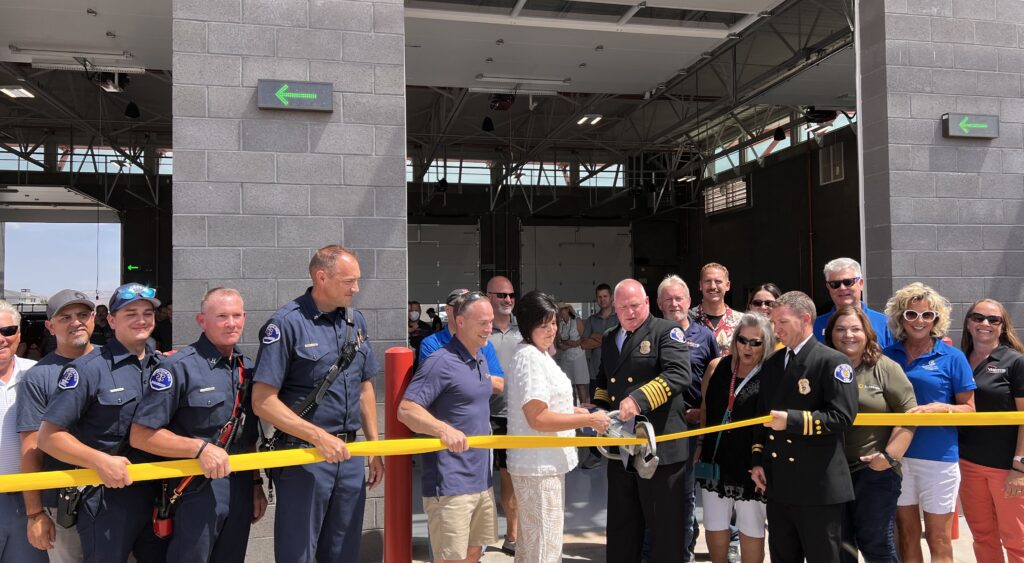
(534, 375)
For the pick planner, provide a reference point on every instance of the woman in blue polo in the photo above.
(943, 383)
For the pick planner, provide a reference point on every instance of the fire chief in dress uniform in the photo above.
(645, 368)
(798, 456)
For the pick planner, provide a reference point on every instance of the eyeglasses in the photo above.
(752, 342)
(845, 282)
(8, 331)
(927, 316)
(763, 303)
(137, 291)
(503, 295)
(992, 319)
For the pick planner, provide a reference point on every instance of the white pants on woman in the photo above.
(541, 503)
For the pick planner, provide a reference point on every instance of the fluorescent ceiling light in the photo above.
(686, 178)
(70, 52)
(52, 64)
(505, 79)
(590, 118)
(16, 92)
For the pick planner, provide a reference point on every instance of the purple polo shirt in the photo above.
(455, 388)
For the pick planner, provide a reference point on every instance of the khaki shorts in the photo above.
(457, 522)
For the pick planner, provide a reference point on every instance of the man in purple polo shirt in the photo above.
(449, 398)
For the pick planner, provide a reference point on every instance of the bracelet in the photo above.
(36, 514)
(201, 448)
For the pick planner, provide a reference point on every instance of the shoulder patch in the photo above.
(271, 334)
(68, 379)
(844, 373)
(677, 335)
(161, 380)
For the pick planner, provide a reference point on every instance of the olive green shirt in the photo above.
(882, 388)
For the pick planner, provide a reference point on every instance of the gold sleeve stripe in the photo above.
(756, 448)
(601, 395)
(655, 395)
(650, 398)
(807, 422)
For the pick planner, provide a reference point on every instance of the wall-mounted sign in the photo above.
(970, 125)
(295, 95)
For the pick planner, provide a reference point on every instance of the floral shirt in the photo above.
(725, 328)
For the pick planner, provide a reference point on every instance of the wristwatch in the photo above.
(892, 461)
(1019, 459)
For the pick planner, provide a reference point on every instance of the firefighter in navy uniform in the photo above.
(644, 370)
(198, 407)
(798, 457)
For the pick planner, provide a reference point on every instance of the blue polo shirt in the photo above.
(439, 340)
(455, 388)
(703, 347)
(298, 346)
(937, 377)
(879, 323)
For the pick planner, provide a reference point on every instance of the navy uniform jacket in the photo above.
(805, 464)
(97, 395)
(298, 346)
(654, 369)
(193, 393)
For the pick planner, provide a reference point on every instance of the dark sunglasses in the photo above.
(912, 315)
(133, 292)
(992, 319)
(764, 303)
(752, 342)
(846, 282)
(503, 295)
(8, 331)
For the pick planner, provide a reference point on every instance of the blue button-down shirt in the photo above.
(97, 395)
(299, 344)
(703, 347)
(193, 394)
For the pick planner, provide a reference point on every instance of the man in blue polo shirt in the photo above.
(449, 398)
(845, 285)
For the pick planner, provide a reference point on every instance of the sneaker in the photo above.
(734, 554)
(509, 546)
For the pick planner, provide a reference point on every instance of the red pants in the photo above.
(997, 522)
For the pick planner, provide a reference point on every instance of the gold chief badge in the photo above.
(804, 386)
(645, 347)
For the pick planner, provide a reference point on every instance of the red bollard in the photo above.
(398, 468)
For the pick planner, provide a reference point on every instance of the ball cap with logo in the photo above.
(130, 293)
(66, 297)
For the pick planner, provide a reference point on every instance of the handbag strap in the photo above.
(728, 410)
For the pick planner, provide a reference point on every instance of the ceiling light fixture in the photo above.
(16, 92)
(688, 178)
(69, 53)
(590, 119)
(488, 124)
(131, 111)
(83, 65)
(505, 79)
(779, 134)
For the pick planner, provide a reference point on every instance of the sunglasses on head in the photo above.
(845, 282)
(8, 331)
(752, 342)
(992, 319)
(912, 315)
(133, 292)
(503, 295)
(763, 303)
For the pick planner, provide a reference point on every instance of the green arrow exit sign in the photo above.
(970, 125)
(295, 95)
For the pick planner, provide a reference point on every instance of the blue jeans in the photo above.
(870, 519)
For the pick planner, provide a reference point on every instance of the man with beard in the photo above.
(199, 407)
(70, 319)
(645, 370)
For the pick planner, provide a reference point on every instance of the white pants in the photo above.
(931, 484)
(750, 514)
(67, 547)
(541, 503)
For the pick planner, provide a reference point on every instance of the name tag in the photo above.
(992, 369)
(119, 389)
(207, 389)
(311, 345)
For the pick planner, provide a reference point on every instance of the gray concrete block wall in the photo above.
(947, 212)
(256, 191)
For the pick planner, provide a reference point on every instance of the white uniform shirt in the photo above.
(10, 441)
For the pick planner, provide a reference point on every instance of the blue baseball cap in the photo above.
(130, 293)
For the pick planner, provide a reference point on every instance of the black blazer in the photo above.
(805, 464)
(654, 369)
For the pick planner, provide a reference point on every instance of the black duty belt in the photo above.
(347, 437)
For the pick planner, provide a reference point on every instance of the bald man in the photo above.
(644, 371)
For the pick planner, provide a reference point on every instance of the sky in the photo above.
(48, 257)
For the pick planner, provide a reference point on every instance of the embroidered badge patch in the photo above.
(844, 373)
(645, 347)
(68, 379)
(160, 380)
(271, 334)
(804, 386)
(677, 335)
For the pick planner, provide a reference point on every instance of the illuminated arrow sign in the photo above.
(293, 95)
(132, 267)
(970, 125)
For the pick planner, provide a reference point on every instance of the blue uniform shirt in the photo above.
(879, 323)
(439, 340)
(38, 386)
(456, 388)
(937, 377)
(703, 347)
(298, 346)
(97, 395)
(193, 394)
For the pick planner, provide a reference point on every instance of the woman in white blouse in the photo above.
(540, 404)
